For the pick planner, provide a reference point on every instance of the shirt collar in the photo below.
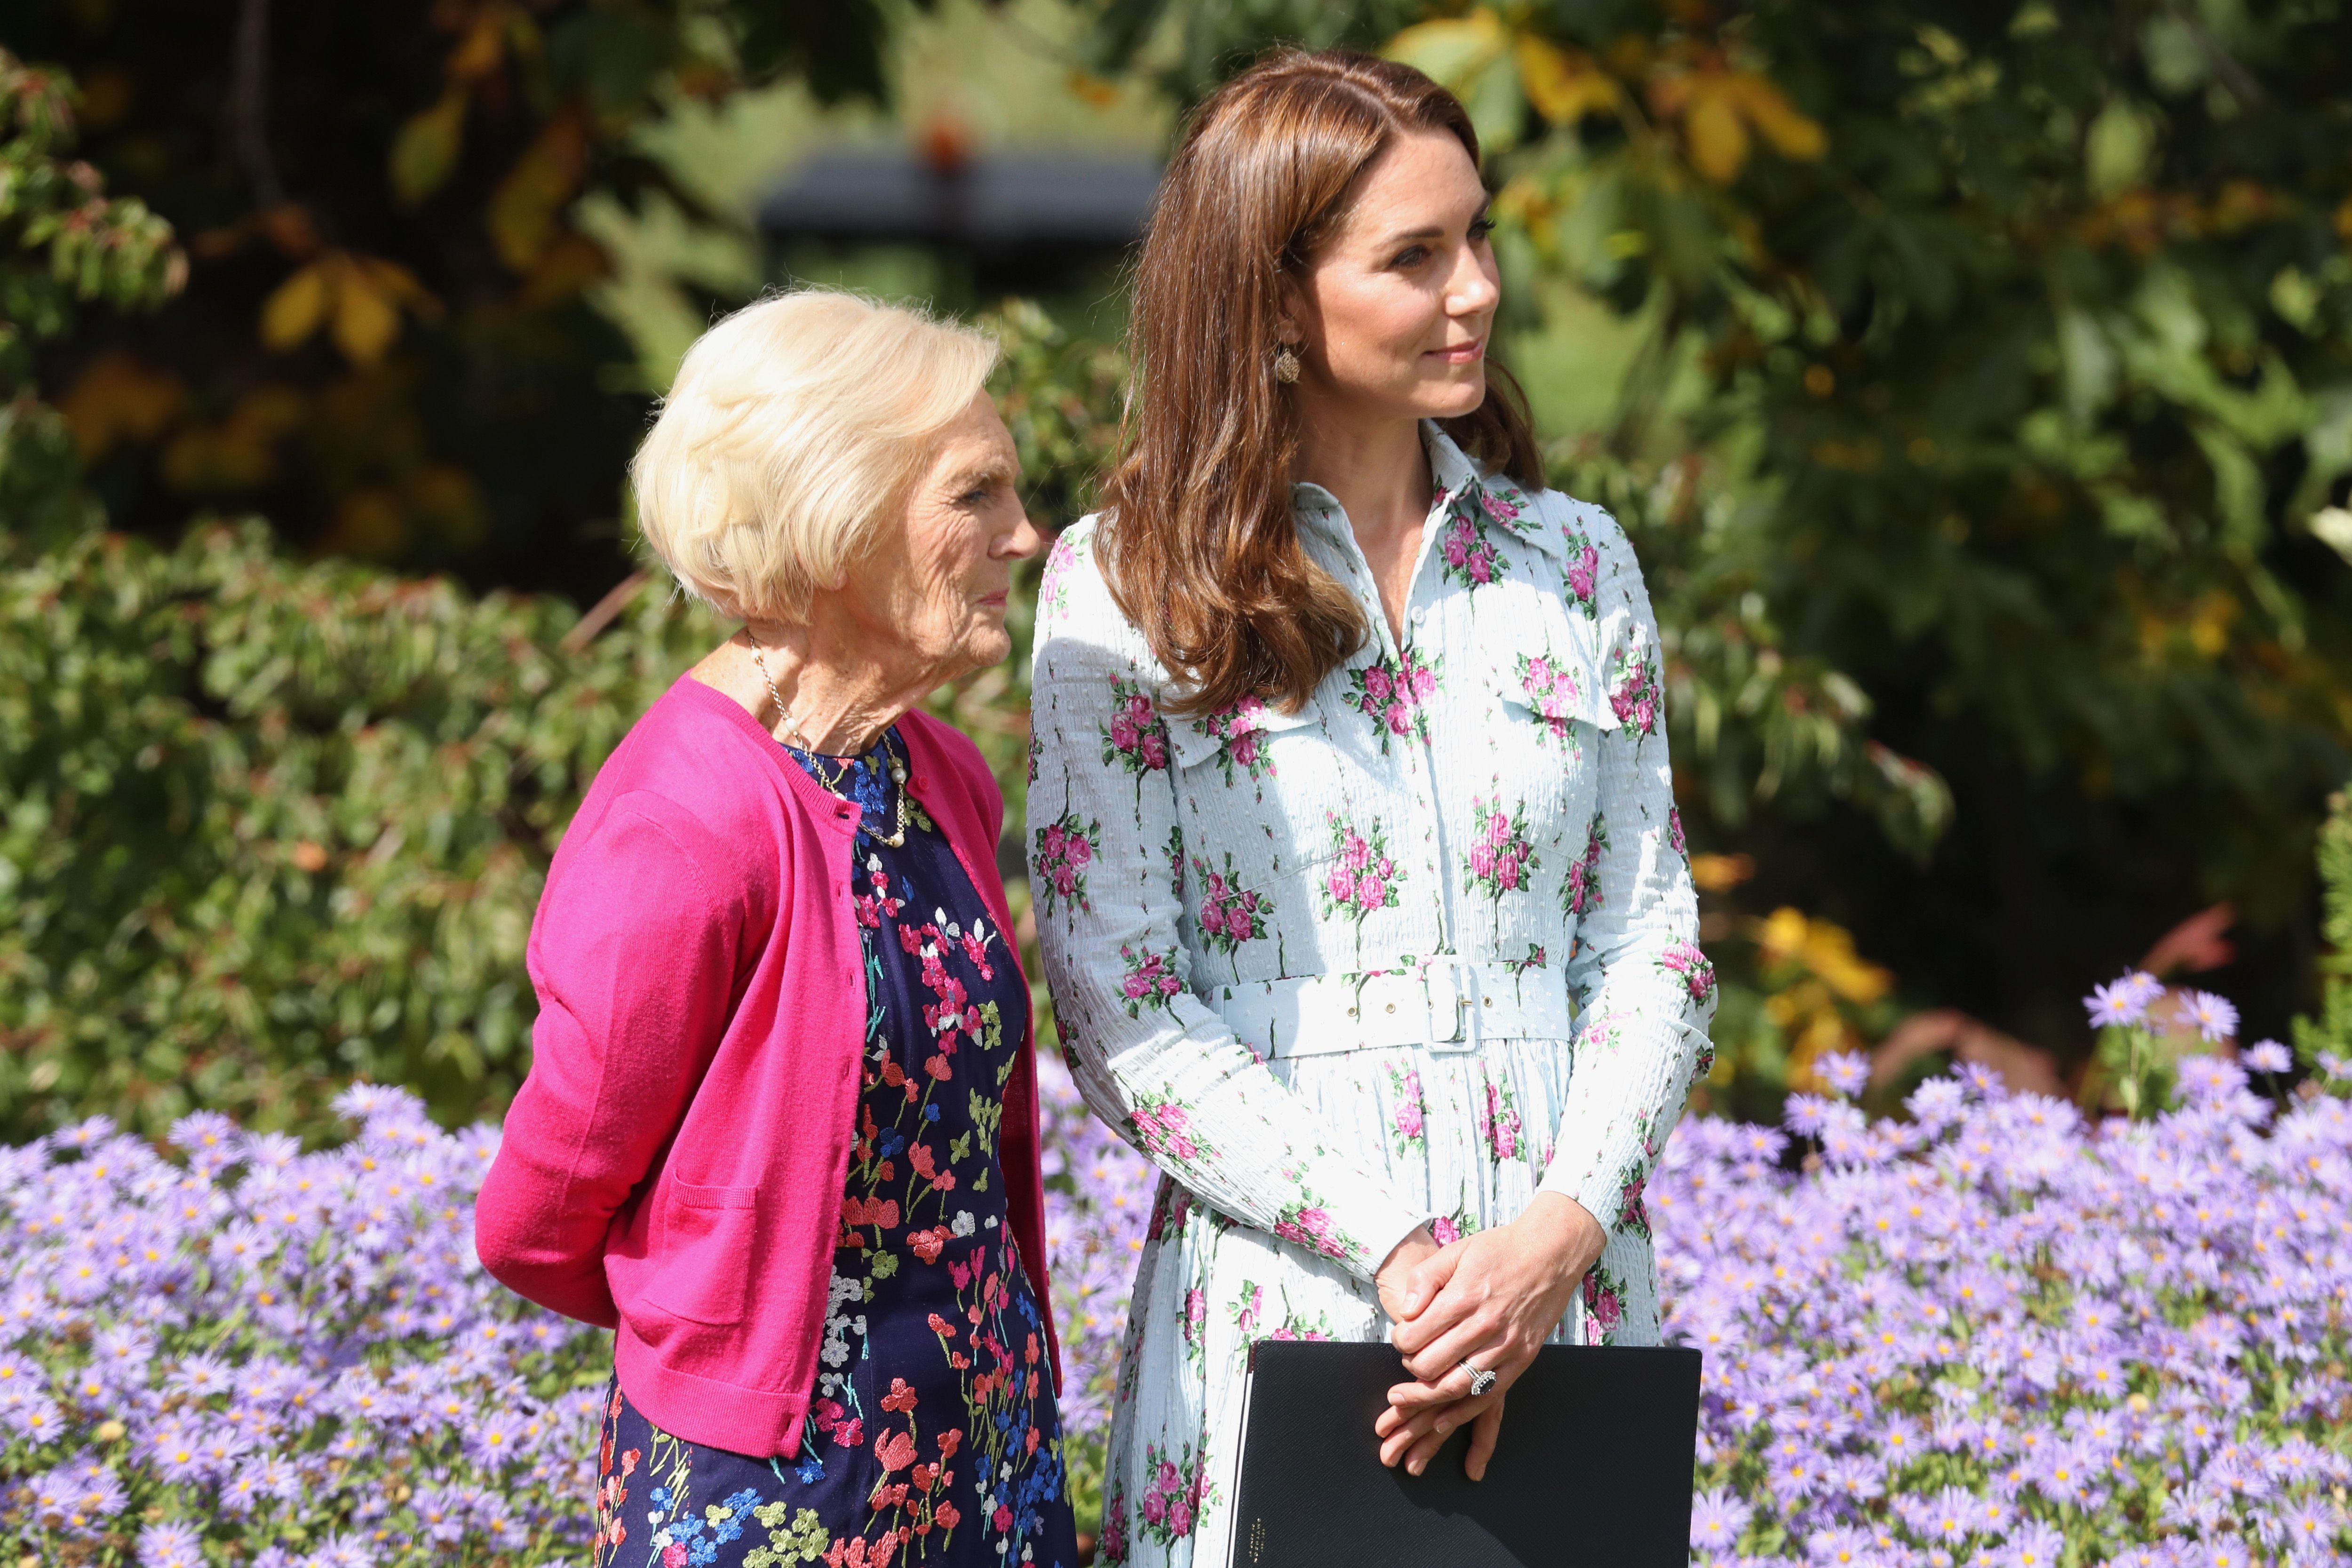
(1460, 484)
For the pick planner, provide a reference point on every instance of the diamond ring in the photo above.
(1480, 1381)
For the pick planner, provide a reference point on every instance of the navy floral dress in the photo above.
(933, 1438)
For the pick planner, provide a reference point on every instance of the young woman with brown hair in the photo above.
(1361, 891)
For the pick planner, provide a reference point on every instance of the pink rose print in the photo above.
(1536, 958)
(1411, 1118)
(1252, 1310)
(1057, 863)
(1498, 1122)
(1579, 892)
(1501, 855)
(1605, 1304)
(1674, 839)
(1309, 1224)
(1113, 1527)
(1444, 1230)
(1171, 1503)
(1150, 983)
(1240, 736)
(1582, 577)
(1054, 588)
(1361, 876)
(1394, 696)
(1698, 974)
(1552, 691)
(1469, 555)
(1162, 1128)
(1230, 913)
(1503, 504)
(1135, 740)
(1635, 699)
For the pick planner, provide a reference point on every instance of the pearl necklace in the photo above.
(801, 739)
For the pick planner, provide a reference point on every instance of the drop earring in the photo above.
(1285, 365)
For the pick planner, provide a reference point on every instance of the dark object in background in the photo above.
(1023, 220)
(1592, 1469)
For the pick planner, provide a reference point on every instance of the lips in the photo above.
(1462, 354)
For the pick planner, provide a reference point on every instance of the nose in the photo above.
(1024, 541)
(1474, 289)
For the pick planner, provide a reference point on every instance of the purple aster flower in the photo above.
(1846, 1071)
(1717, 1519)
(2124, 1001)
(170, 1545)
(2270, 1057)
(2213, 1016)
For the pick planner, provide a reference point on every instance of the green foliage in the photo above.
(387, 345)
(266, 827)
(2331, 1031)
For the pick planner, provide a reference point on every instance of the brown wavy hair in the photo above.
(1199, 546)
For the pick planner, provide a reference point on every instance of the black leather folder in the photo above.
(1592, 1468)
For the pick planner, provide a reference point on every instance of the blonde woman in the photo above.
(779, 1130)
(1360, 887)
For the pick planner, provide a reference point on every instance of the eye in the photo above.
(1480, 228)
(1410, 256)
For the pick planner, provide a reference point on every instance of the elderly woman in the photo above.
(779, 1130)
(1362, 893)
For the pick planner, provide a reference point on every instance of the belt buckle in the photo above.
(1446, 1025)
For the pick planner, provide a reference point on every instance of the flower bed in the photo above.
(1994, 1335)
(1988, 1335)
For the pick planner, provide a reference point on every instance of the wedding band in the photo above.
(1480, 1381)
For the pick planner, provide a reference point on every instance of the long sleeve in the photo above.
(1645, 990)
(633, 960)
(1106, 865)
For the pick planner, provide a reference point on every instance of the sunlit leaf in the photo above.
(1715, 135)
(294, 309)
(1564, 85)
(1767, 109)
(425, 148)
(1452, 50)
(367, 317)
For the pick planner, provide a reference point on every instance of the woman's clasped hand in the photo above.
(1490, 1299)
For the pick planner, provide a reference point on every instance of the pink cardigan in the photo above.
(674, 1164)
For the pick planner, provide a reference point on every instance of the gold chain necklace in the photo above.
(801, 739)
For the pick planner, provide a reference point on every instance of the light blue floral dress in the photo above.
(1486, 809)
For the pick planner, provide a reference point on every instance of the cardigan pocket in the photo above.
(709, 1241)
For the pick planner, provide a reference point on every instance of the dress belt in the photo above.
(1445, 1004)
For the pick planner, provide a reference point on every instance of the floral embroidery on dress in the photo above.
(1551, 690)
(1064, 849)
(1134, 739)
(1501, 853)
(1230, 913)
(1579, 893)
(1685, 959)
(1633, 697)
(1393, 694)
(1581, 578)
(1469, 559)
(1308, 1223)
(1171, 1503)
(1150, 980)
(1410, 1120)
(1240, 739)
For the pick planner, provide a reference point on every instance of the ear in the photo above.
(1290, 302)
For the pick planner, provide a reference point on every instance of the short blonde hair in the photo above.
(795, 427)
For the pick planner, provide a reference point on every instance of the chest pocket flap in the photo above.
(1237, 734)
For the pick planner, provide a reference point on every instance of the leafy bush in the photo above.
(1992, 1334)
(268, 827)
